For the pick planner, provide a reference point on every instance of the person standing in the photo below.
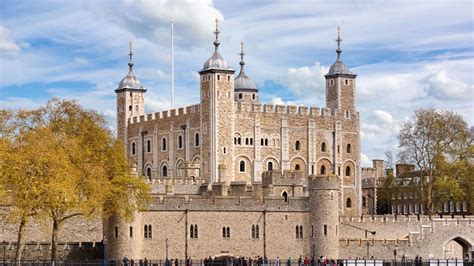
(306, 261)
(277, 261)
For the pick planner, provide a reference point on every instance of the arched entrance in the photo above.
(457, 247)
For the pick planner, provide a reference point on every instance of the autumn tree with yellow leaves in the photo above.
(61, 161)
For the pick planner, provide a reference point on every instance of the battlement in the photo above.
(289, 110)
(226, 203)
(165, 114)
(323, 182)
(412, 219)
(287, 178)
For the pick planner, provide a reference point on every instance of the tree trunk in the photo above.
(54, 242)
(20, 244)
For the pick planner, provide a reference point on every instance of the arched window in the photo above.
(180, 142)
(348, 171)
(242, 166)
(223, 232)
(364, 202)
(134, 148)
(348, 203)
(228, 232)
(148, 146)
(241, 96)
(163, 144)
(246, 141)
(297, 145)
(251, 141)
(148, 173)
(323, 170)
(301, 232)
(136, 108)
(196, 232)
(266, 142)
(196, 139)
(130, 108)
(323, 146)
(297, 232)
(297, 167)
(262, 142)
(164, 171)
(285, 196)
(270, 166)
(253, 231)
(257, 232)
(348, 148)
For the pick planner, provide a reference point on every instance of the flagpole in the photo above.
(172, 64)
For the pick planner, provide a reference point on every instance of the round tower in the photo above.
(324, 215)
(124, 238)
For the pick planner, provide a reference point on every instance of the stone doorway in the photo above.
(458, 247)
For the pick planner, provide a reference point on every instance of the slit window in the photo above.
(134, 148)
(148, 146)
(164, 171)
(196, 139)
(297, 145)
(180, 142)
(323, 146)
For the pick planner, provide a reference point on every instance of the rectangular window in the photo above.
(116, 232)
(131, 231)
(325, 230)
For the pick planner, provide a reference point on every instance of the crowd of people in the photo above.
(259, 261)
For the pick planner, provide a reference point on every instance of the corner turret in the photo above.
(340, 84)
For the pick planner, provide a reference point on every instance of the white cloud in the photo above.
(442, 87)
(7, 44)
(365, 160)
(306, 79)
(161, 74)
(81, 61)
(278, 101)
(193, 20)
(383, 117)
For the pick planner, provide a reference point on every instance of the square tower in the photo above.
(217, 117)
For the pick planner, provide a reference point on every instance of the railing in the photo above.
(238, 262)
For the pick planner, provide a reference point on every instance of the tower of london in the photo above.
(231, 176)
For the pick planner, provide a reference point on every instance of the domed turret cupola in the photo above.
(216, 61)
(244, 87)
(340, 83)
(130, 99)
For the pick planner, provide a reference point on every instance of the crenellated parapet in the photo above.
(292, 110)
(167, 114)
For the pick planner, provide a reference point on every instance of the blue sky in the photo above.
(407, 54)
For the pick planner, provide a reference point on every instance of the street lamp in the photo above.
(4, 249)
(104, 241)
(167, 263)
(368, 244)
